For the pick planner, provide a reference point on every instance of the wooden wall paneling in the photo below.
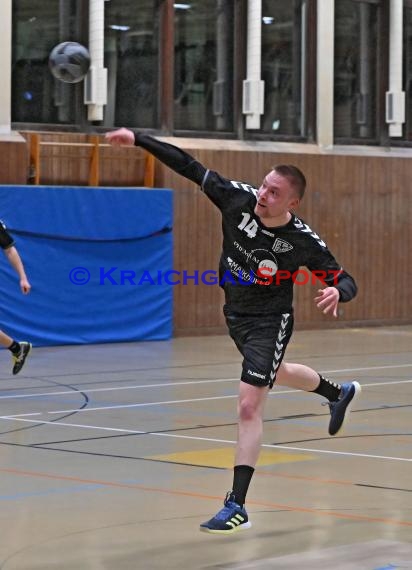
(403, 220)
(347, 203)
(400, 239)
(360, 205)
(71, 164)
(14, 160)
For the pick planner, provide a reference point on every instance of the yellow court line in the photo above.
(224, 457)
(291, 508)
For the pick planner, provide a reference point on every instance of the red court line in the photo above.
(362, 518)
(304, 478)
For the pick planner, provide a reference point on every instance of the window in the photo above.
(356, 82)
(132, 60)
(37, 27)
(175, 67)
(284, 67)
(407, 70)
(204, 65)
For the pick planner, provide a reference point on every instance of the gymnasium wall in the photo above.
(13, 159)
(358, 200)
(360, 204)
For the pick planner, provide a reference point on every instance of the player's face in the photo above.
(276, 197)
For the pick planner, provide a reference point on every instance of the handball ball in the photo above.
(69, 62)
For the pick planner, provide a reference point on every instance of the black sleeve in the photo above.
(6, 240)
(323, 264)
(173, 157)
(221, 191)
(345, 284)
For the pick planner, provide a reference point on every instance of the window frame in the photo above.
(81, 123)
(381, 127)
(239, 57)
(310, 88)
(400, 142)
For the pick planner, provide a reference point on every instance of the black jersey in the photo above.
(259, 265)
(6, 240)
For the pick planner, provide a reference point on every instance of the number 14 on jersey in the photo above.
(250, 228)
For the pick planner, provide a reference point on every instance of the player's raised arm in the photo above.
(172, 156)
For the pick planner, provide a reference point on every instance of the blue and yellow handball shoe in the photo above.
(230, 519)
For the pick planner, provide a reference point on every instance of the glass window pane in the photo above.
(132, 60)
(282, 66)
(37, 27)
(203, 92)
(356, 69)
(408, 71)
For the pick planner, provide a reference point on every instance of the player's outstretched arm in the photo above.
(172, 156)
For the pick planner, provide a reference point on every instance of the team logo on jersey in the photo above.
(267, 268)
(261, 265)
(281, 246)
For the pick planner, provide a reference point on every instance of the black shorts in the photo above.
(262, 341)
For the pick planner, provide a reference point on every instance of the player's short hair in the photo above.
(295, 177)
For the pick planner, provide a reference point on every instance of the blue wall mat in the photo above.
(93, 257)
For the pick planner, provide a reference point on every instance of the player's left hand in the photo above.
(25, 286)
(328, 300)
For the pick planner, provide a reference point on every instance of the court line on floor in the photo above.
(292, 508)
(185, 401)
(209, 439)
(195, 382)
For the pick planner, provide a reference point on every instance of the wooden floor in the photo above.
(111, 456)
